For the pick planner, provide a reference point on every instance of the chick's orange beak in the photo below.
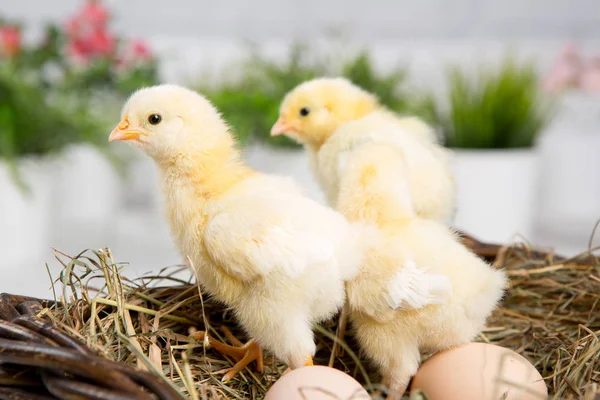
(280, 127)
(123, 132)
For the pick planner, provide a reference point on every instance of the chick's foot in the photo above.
(244, 354)
(309, 363)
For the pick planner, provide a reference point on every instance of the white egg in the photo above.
(317, 383)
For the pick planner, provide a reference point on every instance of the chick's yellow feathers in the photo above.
(415, 170)
(332, 116)
(419, 289)
(275, 257)
(249, 237)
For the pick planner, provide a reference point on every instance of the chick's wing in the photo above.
(256, 239)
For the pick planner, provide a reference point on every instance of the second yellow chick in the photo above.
(332, 116)
(394, 338)
(397, 178)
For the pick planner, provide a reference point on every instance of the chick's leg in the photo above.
(396, 352)
(297, 347)
(398, 373)
(244, 354)
(309, 363)
(288, 334)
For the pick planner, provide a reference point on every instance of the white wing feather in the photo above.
(414, 287)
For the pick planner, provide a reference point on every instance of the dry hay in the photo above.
(551, 316)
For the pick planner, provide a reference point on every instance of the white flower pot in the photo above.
(24, 216)
(292, 163)
(570, 192)
(496, 193)
(141, 186)
(86, 197)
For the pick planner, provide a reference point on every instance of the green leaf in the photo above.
(251, 101)
(501, 108)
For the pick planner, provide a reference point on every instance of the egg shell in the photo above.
(479, 371)
(316, 383)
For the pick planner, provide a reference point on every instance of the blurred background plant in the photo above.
(57, 92)
(81, 55)
(35, 123)
(497, 109)
(390, 88)
(250, 102)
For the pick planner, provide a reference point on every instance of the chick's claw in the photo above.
(231, 337)
(253, 352)
(244, 354)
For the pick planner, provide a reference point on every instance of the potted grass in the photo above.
(251, 103)
(492, 122)
(87, 69)
(33, 128)
(59, 99)
(103, 69)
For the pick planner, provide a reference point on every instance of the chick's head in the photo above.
(312, 111)
(165, 120)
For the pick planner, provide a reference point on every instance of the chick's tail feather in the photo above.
(414, 287)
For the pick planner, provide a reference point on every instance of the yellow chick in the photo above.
(375, 171)
(257, 244)
(332, 117)
(394, 338)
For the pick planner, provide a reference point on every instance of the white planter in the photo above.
(24, 217)
(292, 163)
(496, 193)
(86, 197)
(570, 192)
(141, 187)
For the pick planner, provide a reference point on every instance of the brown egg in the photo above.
(479, 371)
(316, 383)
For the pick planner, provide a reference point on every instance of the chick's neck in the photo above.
(340, 116)
(210, 172)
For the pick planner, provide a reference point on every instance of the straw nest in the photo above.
(551, 316)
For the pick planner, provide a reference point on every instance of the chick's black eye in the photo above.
(304, 111)
(154, 119)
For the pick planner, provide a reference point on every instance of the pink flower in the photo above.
(92, 17)
(95, 44)
(101, 43)
(590, 77)
(565, 71)
(136, 52)
(87, 33)
(10, 40)
(95, 14)
(141, 51)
